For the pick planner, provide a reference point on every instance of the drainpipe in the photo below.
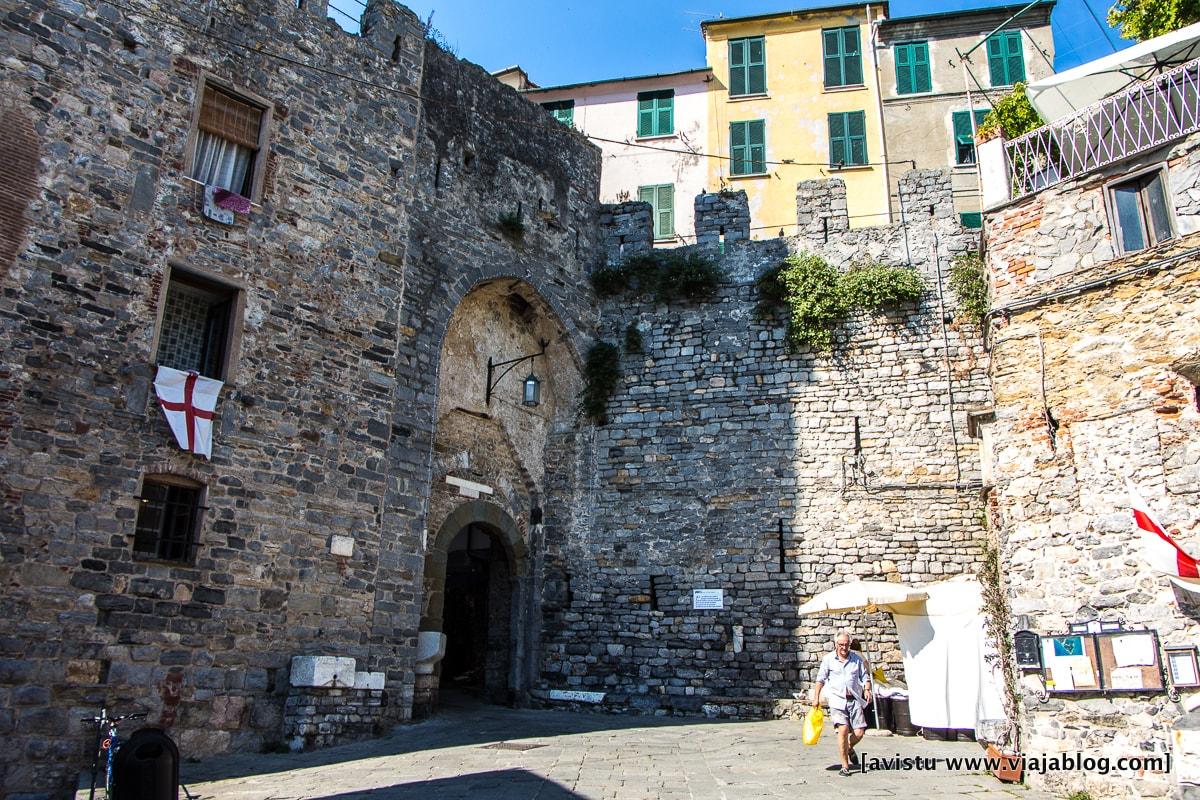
(873, 28)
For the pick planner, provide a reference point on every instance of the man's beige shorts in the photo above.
(852, 716)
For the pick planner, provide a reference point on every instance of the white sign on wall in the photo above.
(708, 599)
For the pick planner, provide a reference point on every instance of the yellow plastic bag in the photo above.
(814, 723)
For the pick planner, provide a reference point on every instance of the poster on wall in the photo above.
(708, 599)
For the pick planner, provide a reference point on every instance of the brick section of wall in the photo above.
(717, 437)
(19, 155)
(722, 216)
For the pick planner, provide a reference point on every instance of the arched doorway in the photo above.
(477, 616)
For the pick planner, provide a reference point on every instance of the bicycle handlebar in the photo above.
(114, 720)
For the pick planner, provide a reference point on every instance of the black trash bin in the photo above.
(900, 716)
(886, 723)
(146, 767)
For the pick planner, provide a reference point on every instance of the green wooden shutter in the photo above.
(1014, 57)
(645, 124)
(737, 67)
(833, 58)
(756, 143)
(737, 149)
(995, 51)
(922, 81)
(851, 58)
(856, 133)
(646, 194)
(756, 66)
(837, 139)
(664, 218)
(666, 113)
(904, 69)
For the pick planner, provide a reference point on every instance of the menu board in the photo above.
(1110, 661)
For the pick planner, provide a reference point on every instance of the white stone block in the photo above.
(431, 647)
(342, 546)
(993, 172)
(368, 680)
(577, 697)
(468, 488)
(322, 671)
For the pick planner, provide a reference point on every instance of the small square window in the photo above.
(197, 325)
(1140, 211)
(168, 519)
(229, 141)
(562, 110)
(656, 113)
(964, 135)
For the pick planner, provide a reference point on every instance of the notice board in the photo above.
(1112, 661)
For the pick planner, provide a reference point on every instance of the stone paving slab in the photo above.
(559, 755)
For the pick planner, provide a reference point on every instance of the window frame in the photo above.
(979, 113)
(733, 160)
(656, 96)
(841, 56)
(1145, 176)
(262, 153)
(191, 543)
(913, 68)
(747, 66)
(1005, 36)
(554, 106)
(848, 138)
(205, 280)
(657, 210)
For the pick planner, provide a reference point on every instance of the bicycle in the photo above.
(107, 742)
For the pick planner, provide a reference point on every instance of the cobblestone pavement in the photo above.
(494, 753)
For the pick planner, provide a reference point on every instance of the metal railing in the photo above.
(1136, 119)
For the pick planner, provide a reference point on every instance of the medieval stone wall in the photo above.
(1087, 349)
(728, 462)
(374, 216)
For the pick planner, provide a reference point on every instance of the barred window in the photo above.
(228, 140)
(197, 325)
(168, 519)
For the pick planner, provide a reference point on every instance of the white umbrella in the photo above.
(1067, 93)
(861, 595)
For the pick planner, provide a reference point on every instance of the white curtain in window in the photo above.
(220, 162)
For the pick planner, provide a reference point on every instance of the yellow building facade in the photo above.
(795, 96)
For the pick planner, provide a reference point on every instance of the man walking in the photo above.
(849, 692)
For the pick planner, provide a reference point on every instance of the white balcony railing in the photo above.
(1136, 119)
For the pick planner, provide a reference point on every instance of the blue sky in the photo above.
(570, 41)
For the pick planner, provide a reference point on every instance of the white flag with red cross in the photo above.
(1159, 549)
(188, 401)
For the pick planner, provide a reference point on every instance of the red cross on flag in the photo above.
(188, 400)
(1159, 549)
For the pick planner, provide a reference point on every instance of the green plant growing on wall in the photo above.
(510, 225)
(818, 297)
(969, 283)
(601, 373)
(665, 276)
(1012, 116)
(1144, 19)
(869, 286)
(998, 624)
(633, 340)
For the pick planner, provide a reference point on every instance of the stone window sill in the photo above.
(850, 87)
(737, 98)
(750, 175)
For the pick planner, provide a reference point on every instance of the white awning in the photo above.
(865, 595)
(1067, 93)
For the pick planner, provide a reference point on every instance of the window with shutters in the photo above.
(229, 139)
(843, 57)
(168, 519)
(748, 147)
(964, 137)
(1140, 211)
(198, 326)
(562, 110)
(662, 200)
(912, 68)
(747, 66)
(847, 139)
(1006, 61)
(656, 113)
